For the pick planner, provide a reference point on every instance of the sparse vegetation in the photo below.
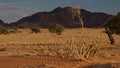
(45, 48)
(15, 31)
(3, 30)
(56, 28)
(35, 30)
(79, 53)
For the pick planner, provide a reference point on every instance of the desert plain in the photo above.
(39, 50)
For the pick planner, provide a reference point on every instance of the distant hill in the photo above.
(68, 17)
(95, 19)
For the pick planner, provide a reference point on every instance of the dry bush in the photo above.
(79, 52)
(15, 30)
(3, 30)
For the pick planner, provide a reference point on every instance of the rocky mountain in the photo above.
(95, 19)
(68, 17)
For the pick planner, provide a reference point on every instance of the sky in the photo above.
(13, 10)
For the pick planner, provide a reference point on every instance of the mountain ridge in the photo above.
(2, 23)
(68, 17)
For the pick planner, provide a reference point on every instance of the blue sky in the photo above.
(13, 10)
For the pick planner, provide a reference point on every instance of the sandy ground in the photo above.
(50, 62)
(27, 50)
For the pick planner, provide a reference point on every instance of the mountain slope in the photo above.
(2, 23)
(95, 19)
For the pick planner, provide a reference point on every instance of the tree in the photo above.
(113, 27)
(56, 28)
(114, 24)
(110, 35)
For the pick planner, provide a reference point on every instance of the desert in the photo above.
(39, 50)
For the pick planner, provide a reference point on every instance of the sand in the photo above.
(30, 50)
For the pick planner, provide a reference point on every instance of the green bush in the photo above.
(35, 30)
(3, 30)
(56, 28)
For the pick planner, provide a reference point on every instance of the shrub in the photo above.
(3, 30)
(35, 30)
(15, 31)
(79, 52)
(56, 28)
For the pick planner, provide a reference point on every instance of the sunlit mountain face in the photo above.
(13, 10)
